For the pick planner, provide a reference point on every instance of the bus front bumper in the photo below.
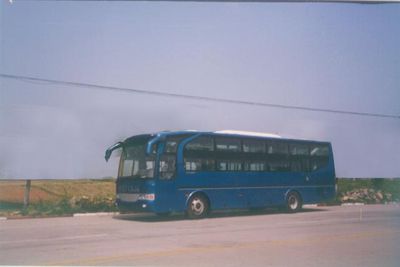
(138, 206)
(135, 202)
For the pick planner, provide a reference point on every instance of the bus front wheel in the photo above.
(197, 207)
(293, 202)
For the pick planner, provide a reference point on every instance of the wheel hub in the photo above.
(197, 206)
(293, 203)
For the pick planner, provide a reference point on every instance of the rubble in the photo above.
(364, 195)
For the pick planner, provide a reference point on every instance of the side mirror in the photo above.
(111, 149)
(108, 154)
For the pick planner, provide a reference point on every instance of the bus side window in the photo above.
(172, 142)
(278, 165)
(253, 146)
(227, 144)
(277, 147)
(319, 156)
(167, 167)
(202, 143)
(193, 165)
(319, 150)
(255, 166)
(154, 148)
(171, 146)
(299, 149)
(228, 165)
(300, 165)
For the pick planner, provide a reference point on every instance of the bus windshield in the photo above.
(135, 163)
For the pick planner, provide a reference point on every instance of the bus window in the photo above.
(127, 167)
(318, 163)
(319, 156)
(300, 165)
(171, 144)
(278, 165)
(167, 167)
(192, 165)
(319, 150)
(202, 143)
(253, 146)
(135, 163)
(299, 149)
(277, 147)
(229, 166)
(255, 166)
(227, 144)
(154, 148)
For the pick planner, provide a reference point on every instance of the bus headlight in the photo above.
(146, 197)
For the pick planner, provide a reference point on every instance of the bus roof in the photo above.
(232, 133)
(246, 133)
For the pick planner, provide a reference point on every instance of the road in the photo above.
(322, 236)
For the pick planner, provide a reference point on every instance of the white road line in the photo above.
(53, 239)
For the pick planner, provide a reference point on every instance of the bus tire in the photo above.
(293, 202)
(198, 207)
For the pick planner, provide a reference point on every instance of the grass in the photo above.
(56, 197)
(63, 197)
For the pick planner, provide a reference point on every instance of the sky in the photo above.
(332, 56)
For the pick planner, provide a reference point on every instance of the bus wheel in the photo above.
(197, 207)
(293, 202)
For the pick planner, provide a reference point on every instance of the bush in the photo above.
(67, 206)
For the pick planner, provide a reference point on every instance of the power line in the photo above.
(194, 97)
(260, 1)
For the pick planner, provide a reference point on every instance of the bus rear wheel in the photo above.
(198, 207)
(293, 202)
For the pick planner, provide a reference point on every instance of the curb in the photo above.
(59, 216)
(310, 206)
(37, 217)
(94, 214)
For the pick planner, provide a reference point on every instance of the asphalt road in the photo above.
(323, 236)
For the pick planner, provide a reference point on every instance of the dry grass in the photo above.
(53, 190)
(46, 196)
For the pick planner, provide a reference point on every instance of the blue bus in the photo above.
(196, 172)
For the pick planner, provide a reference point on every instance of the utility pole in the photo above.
(27, 193)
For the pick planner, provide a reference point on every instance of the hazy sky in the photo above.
(335, 56)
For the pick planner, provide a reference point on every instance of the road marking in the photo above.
(222, 246)
(53, 239)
